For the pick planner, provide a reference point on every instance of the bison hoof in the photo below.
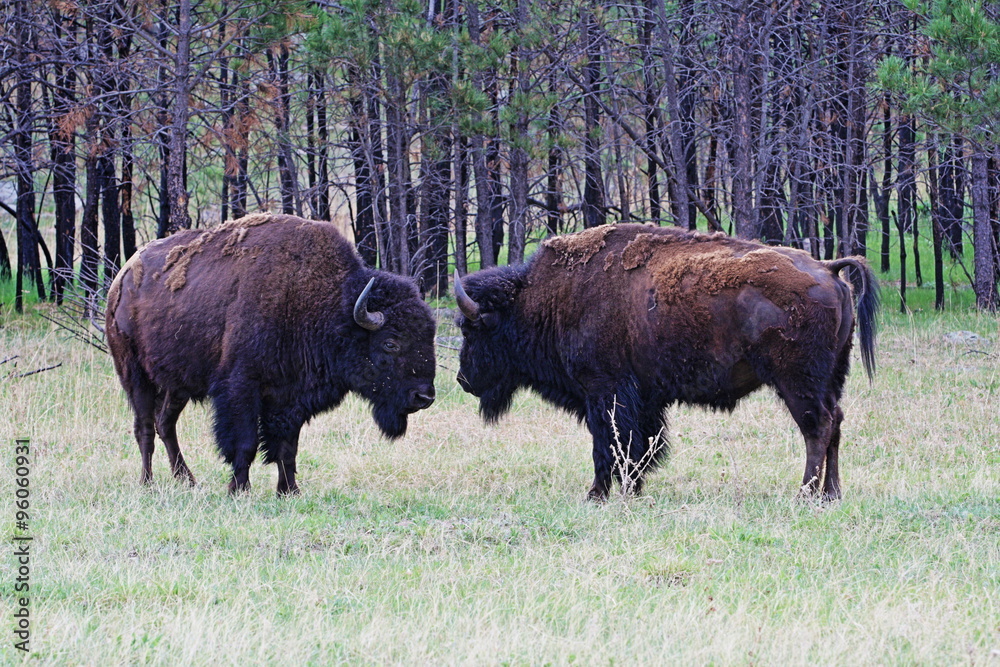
(185, 475)
(238, 487)
(146, 478)
(597, 494)
(292, 490)
(811, 496)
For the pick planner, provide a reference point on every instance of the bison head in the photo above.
(395, 367)
(488, 366)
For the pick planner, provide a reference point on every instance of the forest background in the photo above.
(449, 135)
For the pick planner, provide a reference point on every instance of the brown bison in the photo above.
(275, 319)
(616, 323)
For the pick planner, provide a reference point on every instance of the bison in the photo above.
(275, 319)
(616, 323)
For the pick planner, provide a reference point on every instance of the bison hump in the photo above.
(232, 234)
(576, 249)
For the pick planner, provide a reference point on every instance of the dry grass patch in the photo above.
(463, 543)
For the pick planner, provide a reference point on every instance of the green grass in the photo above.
(464, 543)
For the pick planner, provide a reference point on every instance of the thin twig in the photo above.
(13, 376)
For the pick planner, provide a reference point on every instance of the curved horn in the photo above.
(370, 321)
(468, 307)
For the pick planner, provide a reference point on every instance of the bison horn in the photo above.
(468, 307)
(370, 321)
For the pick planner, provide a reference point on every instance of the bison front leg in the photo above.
(619, 444)
(286, 467)
(280, 427)
(237, 418)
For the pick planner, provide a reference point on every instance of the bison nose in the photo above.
(421, 397)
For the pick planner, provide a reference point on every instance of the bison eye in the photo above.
(390, 346)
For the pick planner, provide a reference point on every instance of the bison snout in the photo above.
(421, 397)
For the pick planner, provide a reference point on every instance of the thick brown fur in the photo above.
(635, 318)
(257, 315)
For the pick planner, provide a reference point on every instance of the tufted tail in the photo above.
(866, 296)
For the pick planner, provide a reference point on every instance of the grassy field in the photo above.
(470, 544)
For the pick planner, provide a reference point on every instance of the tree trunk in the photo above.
(742, 54)
(480, 166)
(88, 225)
(982, 234)
(126, 191)
(322, 196)
(901, 229)
(5, 268)
(519, 142)
(952, 195)
(906, 187)
(375, 155)
(62, 148)
(110, 215)
(241, 180)
(553, 170)
(461, 202)
(594, 213)
(436, 166)
(882, 202)
(933, 175)
(312, 86)
(397, 155)
(62, 152)
(493, 165)
(28, 259)
(710, 183)
(364, 217)
(687, 95)
(994, 194)
(291, 203)
(651, 107)
(122, 110)
(226, 98)
(177, 190)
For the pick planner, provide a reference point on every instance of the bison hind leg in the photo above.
(831, 482)
(143, 399)
(166, 426)
(143, 402)
(818, 424)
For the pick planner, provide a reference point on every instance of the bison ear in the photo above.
(365, 319)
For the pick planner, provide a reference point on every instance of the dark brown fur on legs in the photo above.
(145, 434)
(166, 425)
(831, 483)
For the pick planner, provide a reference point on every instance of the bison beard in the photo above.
(273, 318)
(616, 323)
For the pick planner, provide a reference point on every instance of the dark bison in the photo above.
(275, 319)
(626, 320)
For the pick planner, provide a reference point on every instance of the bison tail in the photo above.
(867, 299)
